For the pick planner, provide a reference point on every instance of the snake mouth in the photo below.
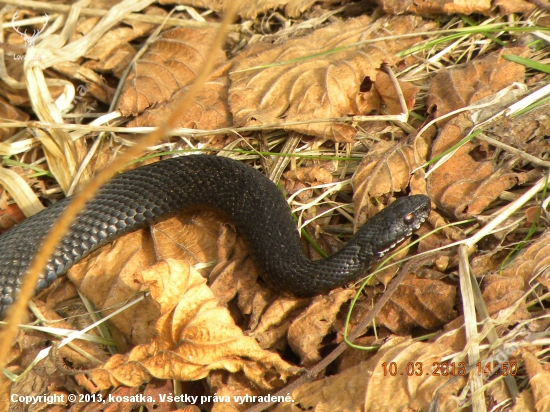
(407, 234)
(394, 245)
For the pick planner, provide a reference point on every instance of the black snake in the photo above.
(146, 195)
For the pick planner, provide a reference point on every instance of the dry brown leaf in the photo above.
(416, 394)
(306, 333)
(118, 37)
(439, 239)
(384, 170)
(252, 8)
(422, 300)
(324, 87)
(275, 321)
(532, 214)
(5, 386)
(503, 290)
(500, 293)
(488, 262)
(189, 236)
(115, 63)
(128, 399)
(429, 8)
(83, 26)
(7, 111)
(15, 96)
(50, 376)
(527, 132)
(236, 387)
(67, 354)
(453, 335)
(297, 179)
(196, 239)
(208, 111)
(351, 358)
(106, 277)
(498, 392)
(388, 97)
(540, 321)
(253, 302)
(171, 63)
(292, 8)
(366, 387)
(10, 216)
(507, 7)
(234, 271)
(462, 85)
(113, 53)
(532, 262)
(43, 378)
(88, 84)
(469, 180)
(524, 402)
(424, 303)
(194, 336)
(539, 378)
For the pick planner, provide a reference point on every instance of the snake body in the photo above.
(149, 194)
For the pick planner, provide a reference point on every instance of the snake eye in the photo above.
(409, 219)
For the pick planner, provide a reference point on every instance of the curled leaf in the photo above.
(194, 336)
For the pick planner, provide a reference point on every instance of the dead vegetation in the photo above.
(347, 107)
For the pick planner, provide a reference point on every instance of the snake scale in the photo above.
(149, 194)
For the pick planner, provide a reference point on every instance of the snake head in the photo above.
(387, 229)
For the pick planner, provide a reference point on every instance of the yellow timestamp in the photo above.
(449, 369)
